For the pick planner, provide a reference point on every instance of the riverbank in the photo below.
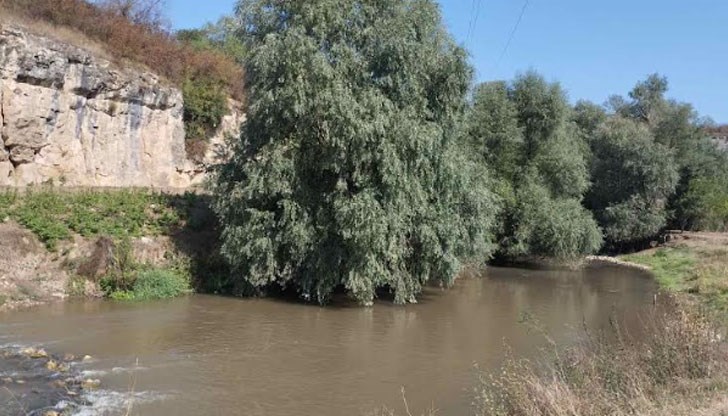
(692, 265)
(679, 367)
(61, 245)
(122, 244)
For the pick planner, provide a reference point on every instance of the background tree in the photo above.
(652, 160)
(633, 176)
(221, 36)
(523, 131)
(348, 172)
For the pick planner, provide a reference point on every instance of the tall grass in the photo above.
(678, 366)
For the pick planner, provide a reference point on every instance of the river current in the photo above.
(208, 355)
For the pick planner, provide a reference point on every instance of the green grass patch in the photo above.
(700, 271)
(160, 284)
(55, 216)
(151, 284)
(671, 266)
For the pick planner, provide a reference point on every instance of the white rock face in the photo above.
(72, 119)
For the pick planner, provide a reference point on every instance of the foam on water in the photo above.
(106, 402)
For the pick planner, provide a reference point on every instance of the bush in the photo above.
(633, 177)
(128, 280)
(205, 106)
(522, 131)
(160, 284)
(705, 205)
(559, 228)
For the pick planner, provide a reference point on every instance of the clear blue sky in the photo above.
(595, 48)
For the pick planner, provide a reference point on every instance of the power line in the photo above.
(474, 12)
(513, 32)
(470, 23)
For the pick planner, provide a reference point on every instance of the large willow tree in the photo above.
(347, 173)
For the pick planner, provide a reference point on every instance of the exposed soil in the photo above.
(29, 274)
(32, 275)
(697, 239)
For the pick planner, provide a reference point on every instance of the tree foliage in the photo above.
(523, 131)
(221, 36)
(633, 177)
(348, 173)
(653, 165)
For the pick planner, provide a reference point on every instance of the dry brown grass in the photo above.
(112, 35)
(677, 368)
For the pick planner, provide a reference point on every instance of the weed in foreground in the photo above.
(678, 364)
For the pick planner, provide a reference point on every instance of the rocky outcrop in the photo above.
(71, 118)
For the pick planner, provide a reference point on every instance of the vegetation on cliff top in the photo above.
(135, 30)
(207, 68)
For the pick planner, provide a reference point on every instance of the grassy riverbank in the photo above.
(694, 265)
(123, 244)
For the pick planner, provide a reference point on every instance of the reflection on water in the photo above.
(209, 355)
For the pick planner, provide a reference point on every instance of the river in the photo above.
(207, 355)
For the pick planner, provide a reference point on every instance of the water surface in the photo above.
(206, 355)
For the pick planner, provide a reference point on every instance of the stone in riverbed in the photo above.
(90, 384)
(34, 353)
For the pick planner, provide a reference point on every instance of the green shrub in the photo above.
(705, 205)
(122, 295)
(129, 280)
(205, 106)
(160, 284)
(123, 271)
(551, 227)
(43, 213)
(7, 199)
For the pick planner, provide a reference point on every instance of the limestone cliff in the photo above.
(74, 119)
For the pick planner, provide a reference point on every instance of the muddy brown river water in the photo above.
(206, 355)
